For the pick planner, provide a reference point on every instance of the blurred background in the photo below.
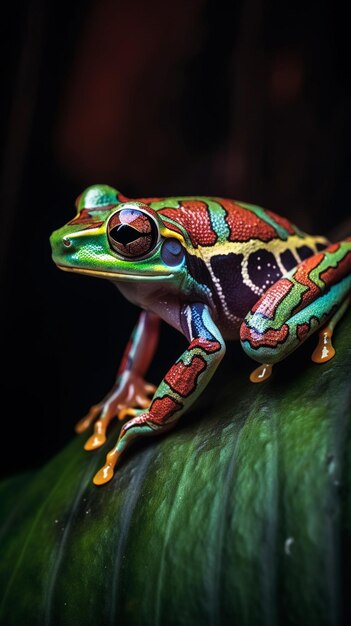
(248, 99)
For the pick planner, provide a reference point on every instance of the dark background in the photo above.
(248, 99)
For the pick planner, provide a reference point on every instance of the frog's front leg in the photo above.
(312, 296)
(130, 389)
(180, 387)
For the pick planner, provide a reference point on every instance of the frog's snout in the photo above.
(61, 246)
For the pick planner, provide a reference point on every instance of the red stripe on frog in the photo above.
(194, 215)
(206, 345)
(162, 409)
(268, 304)
(282, 221)
(183, 378)
(245, 225)
(270, 339)
(302, 331)
(86, 216)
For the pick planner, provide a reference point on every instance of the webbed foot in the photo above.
(132, 391)
(130, 430)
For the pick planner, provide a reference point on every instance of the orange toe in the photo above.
(104, 475)
(125, 412)
(261, 373)
(325, 349)
(82, 425)
(95, 441)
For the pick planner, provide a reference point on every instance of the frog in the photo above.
(216, 270)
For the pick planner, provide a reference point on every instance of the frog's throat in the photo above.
(116, 275)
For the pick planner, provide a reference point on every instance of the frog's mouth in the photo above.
(116, 275)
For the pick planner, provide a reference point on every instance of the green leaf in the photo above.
(241, 515)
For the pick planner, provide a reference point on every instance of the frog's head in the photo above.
(122, 241)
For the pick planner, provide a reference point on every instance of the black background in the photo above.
(248, 100)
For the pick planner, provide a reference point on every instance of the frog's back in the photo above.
(237, 250)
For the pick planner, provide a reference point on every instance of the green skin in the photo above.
(214, 269)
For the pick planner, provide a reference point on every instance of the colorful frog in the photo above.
(212, 268)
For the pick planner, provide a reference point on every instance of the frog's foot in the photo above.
(119, 404)
(105, 474)
(261, 373)
(325, 349)
(88, 419)
(139, 426)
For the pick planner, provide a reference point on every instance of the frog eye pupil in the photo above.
(124, 234)
(132, 233)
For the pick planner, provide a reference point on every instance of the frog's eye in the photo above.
(132, 233)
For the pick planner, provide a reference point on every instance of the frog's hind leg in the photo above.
(323, 352)
(312, 296)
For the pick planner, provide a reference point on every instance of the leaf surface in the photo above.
(241, 515)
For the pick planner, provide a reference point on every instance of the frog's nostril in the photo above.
(67, 242)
